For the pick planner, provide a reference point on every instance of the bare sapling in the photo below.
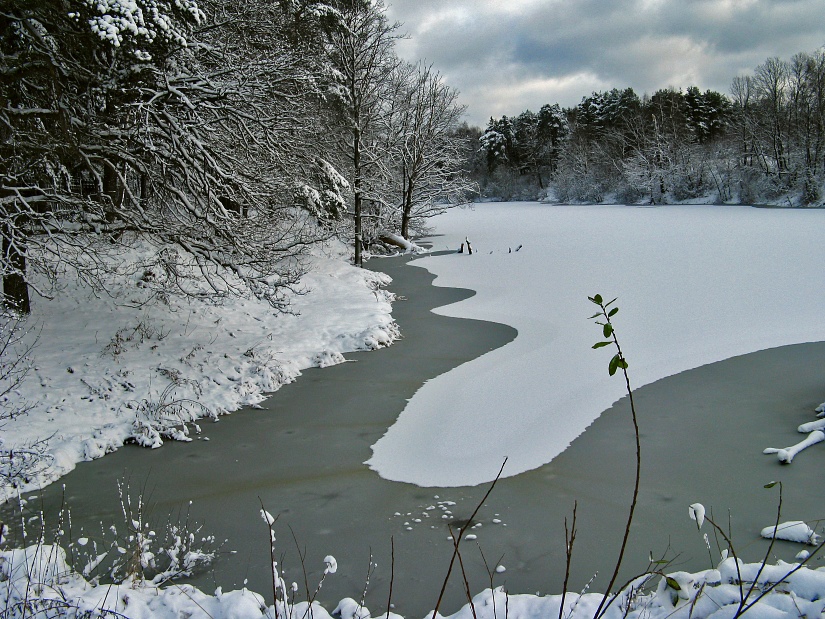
(491, 576)
(19, 463)
(465, 582)
(363, 599)
(617, 362)
(569, 540)
(392, 574)
(457, 539)
(285, 596)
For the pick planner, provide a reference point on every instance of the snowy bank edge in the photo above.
(233, 379)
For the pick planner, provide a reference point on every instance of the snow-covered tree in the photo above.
(421, 117)
(362, 60)
(553, 129)
(497, 142)
(179, 122)
(70, 70)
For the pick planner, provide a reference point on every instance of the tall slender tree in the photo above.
(362, 61)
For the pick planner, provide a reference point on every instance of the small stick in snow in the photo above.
(786, 455)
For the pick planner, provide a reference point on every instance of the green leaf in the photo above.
(601, 344)
(595, 316)
(614, 363)
(622, 363)
(770, 485)
(611, 302)
(661, 562)
(672, 583)
(613, 312)
(608, 330)
(597, 299)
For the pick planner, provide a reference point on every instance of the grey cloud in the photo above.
(644, 44)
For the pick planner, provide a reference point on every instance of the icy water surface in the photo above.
(302, 457)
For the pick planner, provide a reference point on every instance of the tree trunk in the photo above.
(144, 190)
(406, 210)
(111, 192)
(15, 289)
(356, 160)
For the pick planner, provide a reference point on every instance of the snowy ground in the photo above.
(696, 284)
(101, 364)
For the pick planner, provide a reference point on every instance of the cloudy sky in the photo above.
(505, 56)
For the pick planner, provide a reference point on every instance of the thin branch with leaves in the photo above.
(617, 362)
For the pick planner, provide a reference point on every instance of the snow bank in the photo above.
(38, 578)
(108, 369)
(696, 284)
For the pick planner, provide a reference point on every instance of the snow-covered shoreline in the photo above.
(109, 369)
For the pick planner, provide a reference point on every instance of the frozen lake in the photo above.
(696, 284)
(702, 430)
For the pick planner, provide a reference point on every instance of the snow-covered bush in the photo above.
(18, 462)
(142, 548)
(37, 581)
(169, 416)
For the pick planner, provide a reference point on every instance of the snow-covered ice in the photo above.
(793, 531)
(695, 284)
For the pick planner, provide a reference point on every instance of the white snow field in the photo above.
(695, 284)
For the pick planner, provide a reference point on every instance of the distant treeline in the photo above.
(765, 142)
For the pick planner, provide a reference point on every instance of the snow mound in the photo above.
(792, 531)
